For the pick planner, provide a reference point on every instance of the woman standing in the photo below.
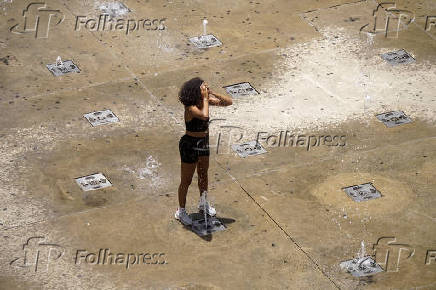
(196, 96)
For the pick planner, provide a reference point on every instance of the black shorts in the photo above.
(192, 147)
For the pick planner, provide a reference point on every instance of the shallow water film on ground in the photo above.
(320, 173)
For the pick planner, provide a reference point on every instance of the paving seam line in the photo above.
(280, 228)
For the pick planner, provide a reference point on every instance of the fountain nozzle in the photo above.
(204, 26)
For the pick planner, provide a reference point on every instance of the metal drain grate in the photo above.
(213, 225)
(93, 182)
(248, 149)
(241, 89)
(398, 57)
(362, 192)
(360, 267)
(205, 41)
(394, 118)
(101, 117)
(63, 68)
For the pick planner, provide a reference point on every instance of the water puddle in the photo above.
(151, 169)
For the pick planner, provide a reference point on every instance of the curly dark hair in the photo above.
(190, 93)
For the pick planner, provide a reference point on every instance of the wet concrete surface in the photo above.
(288, 222)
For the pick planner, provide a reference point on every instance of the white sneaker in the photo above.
(209, 209)
(183, 217)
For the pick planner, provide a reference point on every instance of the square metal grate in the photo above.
(362, 192)
(360, 267)
(241, 89)
(205, 41)
(394, 118)
(248, 149)
(101, 117)
(93, 182)
(66, 67)
(398, 57)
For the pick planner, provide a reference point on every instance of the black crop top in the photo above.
(197, 125)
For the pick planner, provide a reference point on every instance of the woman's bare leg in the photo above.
(202, 168)
(187, 171)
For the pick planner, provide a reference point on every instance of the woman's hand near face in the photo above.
(219, 100)
(204, 91)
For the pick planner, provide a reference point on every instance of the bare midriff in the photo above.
(197, 134)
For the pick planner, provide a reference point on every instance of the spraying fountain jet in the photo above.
(203, 201)
(205, 22)
(204, 26)
(59, 62)
(361, 254)
(205, 40)
(366, 103)
(362, 265)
